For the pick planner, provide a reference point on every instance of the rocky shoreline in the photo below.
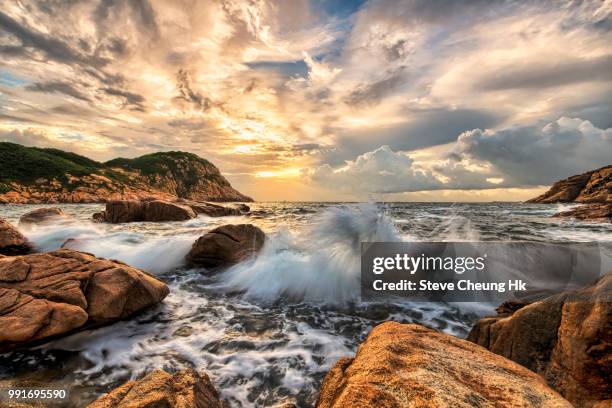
(551, 353)
(593, 189)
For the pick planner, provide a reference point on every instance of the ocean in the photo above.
(266, 331)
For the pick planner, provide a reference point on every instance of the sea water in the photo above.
(266, 331)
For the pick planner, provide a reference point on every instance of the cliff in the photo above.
(36, 175)
(591, 187)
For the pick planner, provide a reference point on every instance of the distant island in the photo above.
(32, 175)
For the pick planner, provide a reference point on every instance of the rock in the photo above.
(589, 212)
(123, 211)
(408, 365)
(186, 389)
(226, 245)
(12, 242)
(134, 211)
(213, 210)
(41, 215)
(567, 338)
(243, 208)
(591, 187)
(165, 211)
(54, 293)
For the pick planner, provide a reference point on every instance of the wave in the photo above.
(149, 251)
(321, 264)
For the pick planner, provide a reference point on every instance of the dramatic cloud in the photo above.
(513, 157)
(534, 155)
(267, 89)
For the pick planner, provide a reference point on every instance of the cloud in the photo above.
(131, 99)
(539, 155)
(188, 94)
(379, 171)
(367, 94)
(514, 157)
(58, 87)
(53, 48)
(598, 69)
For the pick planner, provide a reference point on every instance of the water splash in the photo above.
(154, 252)
(320, 264)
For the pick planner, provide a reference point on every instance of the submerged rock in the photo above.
(408, 365)
(134, 211)
(186, 389)
(589, 212)
(12, 242)
(567, 338)
(49, 294)
(226, 245)
(41, 215)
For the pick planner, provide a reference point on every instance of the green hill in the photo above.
(43, 170)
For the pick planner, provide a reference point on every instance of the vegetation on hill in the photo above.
(26, 164)
(180, 173)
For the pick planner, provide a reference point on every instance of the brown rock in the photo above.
(567, 338)
(12, 242)
(186, 389)
(591, 187)
(226, 245)
(134, 211)
(49, 294)
(123, 211)
(589, 212)
(213, 210)
(41, 215)
(165, 211)
(408, 365)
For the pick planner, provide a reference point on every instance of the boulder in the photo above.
(119, 211)
(49, 294)
(243, 208)
(213, 210)
(226, 245)
(589, 212)
(134, 211)
(158, 210)
(12, 242)
(567, 338)
(41, 215)
(185, 389)
(408, 365)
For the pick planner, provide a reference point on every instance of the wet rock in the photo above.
(183, 331)
(589, 212)
(567, 338)
(12, 242)
(226, 245)
(408, 365)
(49, 294)
(243, 208)
(165, 211)
(134, 211)
(591, 187)
(186, 389)
(213, 210)
(123, 211)
(41, 215)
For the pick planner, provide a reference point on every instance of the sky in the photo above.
(404, 100)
